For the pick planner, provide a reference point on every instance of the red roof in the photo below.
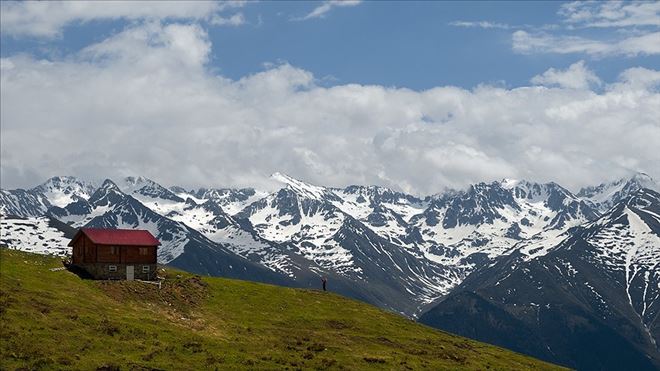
(126, 237)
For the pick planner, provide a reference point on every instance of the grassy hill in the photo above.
(55, 320)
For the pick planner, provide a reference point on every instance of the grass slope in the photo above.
(55, 320)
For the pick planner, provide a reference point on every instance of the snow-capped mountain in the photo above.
(109, 207)
(306, 219)
(385, 211)
(182, 246)
(231, 200)
(470, 228)
(56, 191)
(202, 212)
(525, 265)
(415, 249)
(605, 195)
(599, 285)
(62, 190)
(22, 203)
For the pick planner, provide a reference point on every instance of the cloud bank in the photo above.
(625, 29)
(144, 101)
(539, 43)
(49, 18)
(603, 14)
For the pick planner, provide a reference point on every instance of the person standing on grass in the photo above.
(324, 281)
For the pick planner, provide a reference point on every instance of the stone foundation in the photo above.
(104, 271)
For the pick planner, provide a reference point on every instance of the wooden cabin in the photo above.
(115, 254)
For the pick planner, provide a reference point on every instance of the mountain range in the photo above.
(531, 266)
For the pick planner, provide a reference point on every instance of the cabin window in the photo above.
(145, 268)
(112, 268)
(144, 251)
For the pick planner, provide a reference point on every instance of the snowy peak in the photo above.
(179, 190)
(109, 186)
(63, 190)
(362, 201)
(232, 200)
(480, 204)
(376, 195)
(148, 188)
(642, 179)
(108, 193)
(555, 195)
(132, 183)
(507, 183)
(605, 195)
(301, 188)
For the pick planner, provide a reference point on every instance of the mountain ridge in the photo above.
(604, 276)
(300, 231)
(415, 256)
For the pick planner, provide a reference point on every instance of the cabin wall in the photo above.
(142, 254)
(84, 251)
(109, 254)
(76, 252)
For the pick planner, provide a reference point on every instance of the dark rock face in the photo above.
(478, 205)
(591, 303)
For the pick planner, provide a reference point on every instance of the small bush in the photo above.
(106, 327)
(374, 360)
(193, 346)
(327, 363)
(108, 367)
(316, 347)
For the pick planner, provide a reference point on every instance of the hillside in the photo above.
(53, 319)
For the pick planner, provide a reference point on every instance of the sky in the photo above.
(416, 96)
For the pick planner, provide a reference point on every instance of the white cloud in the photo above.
(144, 102)
(48, 18)
(480, 24)
(322, 10)
(577, 76)
(631, 30)
(529, 43)
(233, 20)
(611, 13)
(640, 78)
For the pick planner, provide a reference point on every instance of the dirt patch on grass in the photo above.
(6, 301)
(179, 294)
(337, 325)
(374, 360)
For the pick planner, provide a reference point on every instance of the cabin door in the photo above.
(130, 272)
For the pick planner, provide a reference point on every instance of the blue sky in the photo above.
(402, 44)
(413, 95)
